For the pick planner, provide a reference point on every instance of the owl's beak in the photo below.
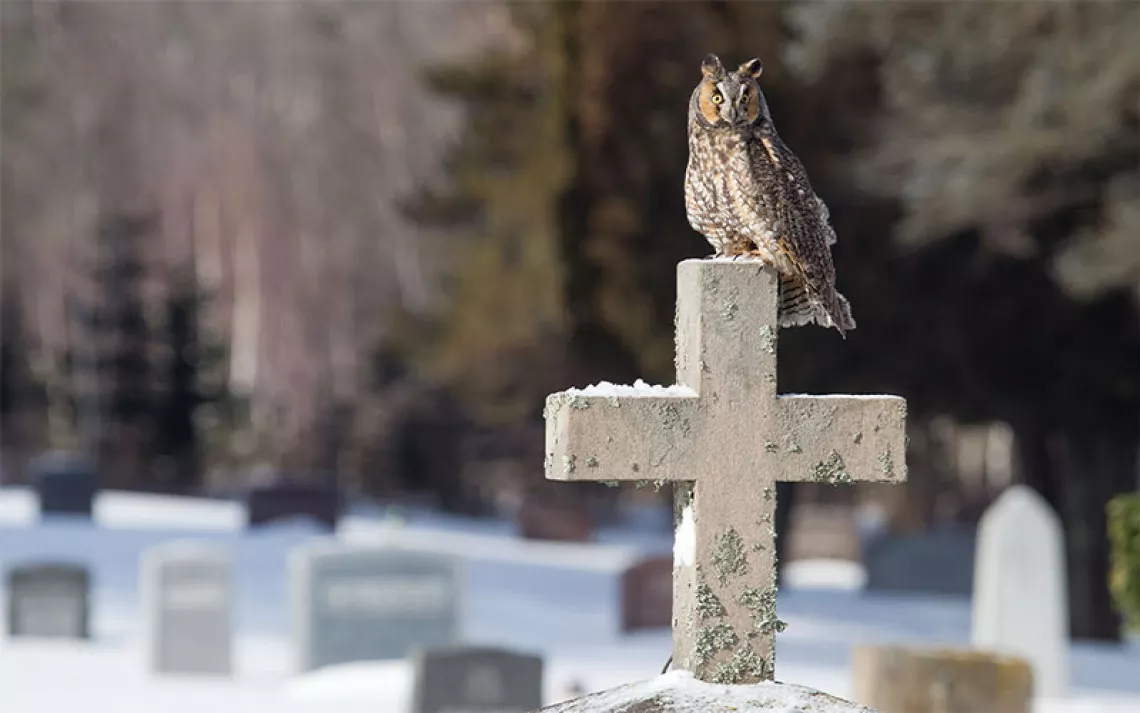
(729, 113)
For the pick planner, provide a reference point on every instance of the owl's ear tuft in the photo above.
(711, 66)
(753, 68)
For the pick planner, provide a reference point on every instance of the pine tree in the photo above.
(192, 402)
(499, 341)
(110, 354)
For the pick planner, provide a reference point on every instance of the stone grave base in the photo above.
(680, 691)
(895, 679)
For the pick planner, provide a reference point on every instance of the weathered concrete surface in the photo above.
(724, 430)
(899, 679)
(678, 691)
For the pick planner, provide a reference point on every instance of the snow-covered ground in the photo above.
(560, 600)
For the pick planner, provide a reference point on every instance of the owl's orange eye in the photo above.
(717, 98)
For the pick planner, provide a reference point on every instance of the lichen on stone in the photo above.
(744, 665)
(886, 464)
(729, 558)
(762, 604)
(768, 339)
(729, 311)
(769, 447)
(711, 640)
(769, 493)
(579, 403)
(591, 462)
(832, 470)
(635, 468)
(858, 437)
(794, 447)
(770, 378)
(671, 418)
(758, 547)
(610, 483)
(658, 484)
(613, 401)
(708, 605)
(569, 463)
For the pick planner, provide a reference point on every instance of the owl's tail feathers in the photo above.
(798, 306)
(841, 317)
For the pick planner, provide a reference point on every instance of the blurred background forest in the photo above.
(365, 239)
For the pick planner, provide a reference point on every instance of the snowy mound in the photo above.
(679, 691)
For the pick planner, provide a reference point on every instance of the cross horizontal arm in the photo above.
(841, 439)
(610, 437)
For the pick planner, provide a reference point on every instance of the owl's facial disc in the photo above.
(739, 102)
(731, 101)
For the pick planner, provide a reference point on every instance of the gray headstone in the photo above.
(65, 483)
(188, 600)
(940, 561)
(1021, 596)
(366, 603)
(476, 680)
(49, 600)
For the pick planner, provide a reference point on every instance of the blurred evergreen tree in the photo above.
(192, 404)
(110, 353)
(499, 341)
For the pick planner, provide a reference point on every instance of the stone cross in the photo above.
(725, 438)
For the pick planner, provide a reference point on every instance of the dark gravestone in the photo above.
(939, 561)
(476, 680)
(65, 483)
(285, 498)
(368, 603)
(49, 600)
(647, 595)
(547, 518)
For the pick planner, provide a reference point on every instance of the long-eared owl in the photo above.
(749, 195)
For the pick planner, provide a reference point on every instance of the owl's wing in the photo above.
(804, 234)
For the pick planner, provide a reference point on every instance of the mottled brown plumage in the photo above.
(748, 194)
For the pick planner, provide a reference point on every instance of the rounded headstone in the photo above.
(679, 691)
(1020, 597)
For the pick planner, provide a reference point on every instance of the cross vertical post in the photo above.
(724, 437)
